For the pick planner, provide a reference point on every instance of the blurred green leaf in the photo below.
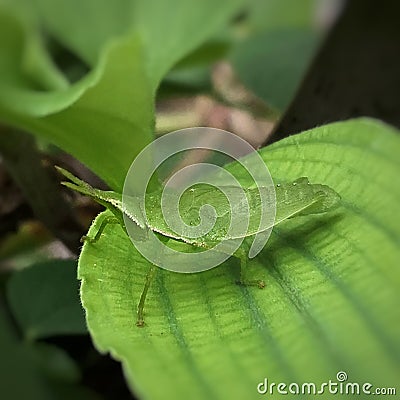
(183, 81)
(271, 64)
(159, 24)
(113, 105)
(24, 61)
(23, 246)
(281, 38)
(171, 30)
(275, 14)
(54, 363)
(209, 52)
(36, 371)
(193, 72)
(44, 299)
(98, 22)
(332, 297)
(16, 367)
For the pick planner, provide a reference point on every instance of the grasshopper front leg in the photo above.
(107, 220)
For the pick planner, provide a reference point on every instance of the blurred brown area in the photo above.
(23, 236)
(231, 107)
(355, 73)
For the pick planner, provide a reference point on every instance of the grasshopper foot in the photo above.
(258, 283)
(140, 323)
(88, 239)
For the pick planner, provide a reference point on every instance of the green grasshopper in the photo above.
(297, 198)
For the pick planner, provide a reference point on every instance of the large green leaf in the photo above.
(112, 106)
(332, 297)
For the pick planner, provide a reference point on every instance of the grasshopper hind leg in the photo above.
(243, 269)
